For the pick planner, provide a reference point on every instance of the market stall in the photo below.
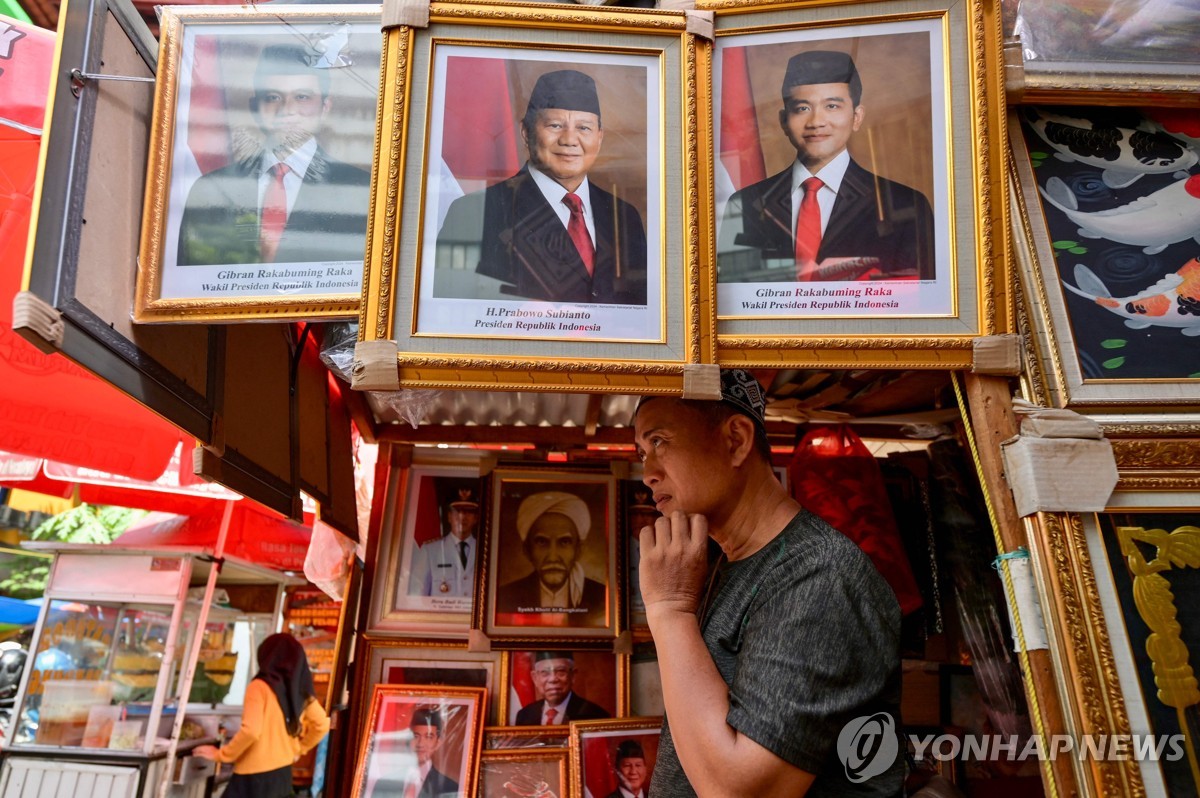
(139, 655)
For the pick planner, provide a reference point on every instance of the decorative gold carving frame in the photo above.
(609, 734)
(1094, 575)
(508, 610)
(209, 141)
(396, 608)
(968, 187)
(400, 229)
(461, 732)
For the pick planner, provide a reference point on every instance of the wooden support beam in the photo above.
(592, 418)
(989, 403)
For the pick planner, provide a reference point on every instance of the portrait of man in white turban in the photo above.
(552, 526)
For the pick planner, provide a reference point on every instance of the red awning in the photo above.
(49, 407)
(255, 534)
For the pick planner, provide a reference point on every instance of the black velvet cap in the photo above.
(630, 749)
(426, 716)
(821, 66)
(567, 89)
(740, 391)
(545, 655)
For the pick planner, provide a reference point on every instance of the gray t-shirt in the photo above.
(806, 633)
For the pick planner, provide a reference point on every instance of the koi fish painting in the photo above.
(1118, 191)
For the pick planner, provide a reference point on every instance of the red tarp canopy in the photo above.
(255, 534)
(49, 407)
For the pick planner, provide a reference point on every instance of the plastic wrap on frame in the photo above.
(1107, 31)
(337, 348)
(496, 738)
(515, 780)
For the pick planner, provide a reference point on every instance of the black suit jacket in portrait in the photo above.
(518, 596)
(436, 785)
(523, 243)
(873, 217)
(578, 708)
(328, 221)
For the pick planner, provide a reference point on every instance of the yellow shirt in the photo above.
(263, 742)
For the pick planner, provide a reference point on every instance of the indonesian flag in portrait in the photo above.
(479, 142)
(208, 129)
(741, 160)
(428, 524)
(521, 692)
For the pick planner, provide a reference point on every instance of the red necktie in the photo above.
(577, 230)
(808, 230)
(551, 713)
(274, 214)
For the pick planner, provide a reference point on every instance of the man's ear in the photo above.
(740, 436)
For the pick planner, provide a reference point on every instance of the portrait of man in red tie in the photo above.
(281, 198)
(824, 217)
(548, 232)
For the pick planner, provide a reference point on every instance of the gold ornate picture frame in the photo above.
(412, 728)
(910, 265)
(599, 746)
(549, 561)
(426, 662)
(423, 581)
(541, 771)
(259, 167)
(471, 281)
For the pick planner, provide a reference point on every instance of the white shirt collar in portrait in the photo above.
(831, 175)
(554, 193)
(297, 163)
(627, 794)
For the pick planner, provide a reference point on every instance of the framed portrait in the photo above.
(552, 688)
(423, 739)
(1137, 620)
(425, 569)
(1106, 251)
(1106, 52)
(542, 772)
(260, 164)
(550, 557)
(427, 662)
(610, 755)
(503, 258)
(506, 737)
(645, 682)
(856, 227)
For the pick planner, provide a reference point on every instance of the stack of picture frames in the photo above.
(1106, 213)
(691, 163)
(503, 607)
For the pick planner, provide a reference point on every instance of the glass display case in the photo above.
(137, 657)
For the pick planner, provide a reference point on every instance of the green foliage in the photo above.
(86, 523)
(1114, 363)
(1113, 343)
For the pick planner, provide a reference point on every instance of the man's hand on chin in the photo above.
(674, 564)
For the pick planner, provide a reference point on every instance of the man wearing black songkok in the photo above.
(547, 232)
(824, 217)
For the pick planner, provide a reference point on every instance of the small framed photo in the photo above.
(260, 164)
(550, 559)
(506, 737)
(421, 739)
(858, 174)
(428, 662)
(551, 688)
(569, 242)
(608, 756)
(425, 575)
(1107, 253)
(541, 772)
